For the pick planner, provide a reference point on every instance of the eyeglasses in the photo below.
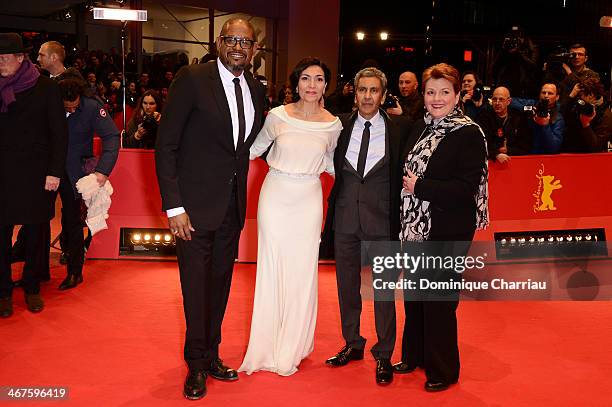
(245, 43)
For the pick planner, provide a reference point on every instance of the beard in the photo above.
(236, 67)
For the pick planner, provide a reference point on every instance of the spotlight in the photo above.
(579, 238)
(532, 239)
(569, 238)
(360, 36)
(157, 238)
(512, 240)
(384, 36)
(541, 239)
(551, 238)
(504, 241)
(167, 237)
(559, 238)
(147, 238)
(521, 240)
(588, 237)
(136, 238)
(67, 14)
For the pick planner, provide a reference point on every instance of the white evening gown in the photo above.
(289, 217)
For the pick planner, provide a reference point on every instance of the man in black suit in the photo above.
(211, 118)
(364, 206)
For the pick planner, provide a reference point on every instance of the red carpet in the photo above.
(117, 339)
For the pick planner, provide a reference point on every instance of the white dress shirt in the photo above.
(376, 147)
(227, 79)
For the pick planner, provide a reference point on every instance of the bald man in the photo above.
(410, 100)
(51, 58)
(506, 130)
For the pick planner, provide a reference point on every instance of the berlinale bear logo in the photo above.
(546, 185)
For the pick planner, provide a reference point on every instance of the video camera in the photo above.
(479, 91)
(540, 109)
(560, 56)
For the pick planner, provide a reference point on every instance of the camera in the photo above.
(510, 42)
(540, 109)
(150, 125)
(390, 101)
(585, 108)
(560, 56)
(479, 91)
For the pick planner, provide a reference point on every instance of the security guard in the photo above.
(86, 116)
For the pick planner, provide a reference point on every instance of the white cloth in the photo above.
(98, 201)
(376, 147)
(289, 217)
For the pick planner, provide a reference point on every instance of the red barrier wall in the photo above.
(569, 191)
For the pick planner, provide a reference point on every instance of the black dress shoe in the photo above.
(384, 371)
(195, 385)
(6, 307)
(403, 368)
(219, 371)
(71, 281)
(436, 386)
(34, 302)
(345, 355)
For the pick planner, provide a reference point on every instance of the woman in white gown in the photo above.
(289, 217)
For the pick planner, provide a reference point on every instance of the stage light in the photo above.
(532, 239)
(157, 238)
(384, 36)
(167, 237)
(100, 13)
(521, 240)
(504, 241)
(147, 238)
(551, 238)
(512, 240)
(360, 36)
(569, 238)
(136, 238)
(588, 237)
(67, 14)
(541, 240)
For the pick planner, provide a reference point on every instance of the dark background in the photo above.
(475, 25)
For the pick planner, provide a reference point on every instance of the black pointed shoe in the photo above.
(71, 281)
(433, 387)
(403, 368)
(219, 371)
(195, 385)
(384, 371)
(345, 355)
(6, 307)
(34, 302)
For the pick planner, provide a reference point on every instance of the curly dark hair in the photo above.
(300, 67)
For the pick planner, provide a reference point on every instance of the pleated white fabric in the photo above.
(289, 217)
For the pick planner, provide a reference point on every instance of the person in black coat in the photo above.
(445, 200)
(211, 118)
(33, 145)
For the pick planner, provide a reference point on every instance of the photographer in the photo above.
(578, 70)
(589, 121)
(471, 95)
(515, 66)
(507, 131)
(410, 99)
(142, 128)
(547, 123)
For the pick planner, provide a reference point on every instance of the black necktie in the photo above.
(241, 120)
(363, 150)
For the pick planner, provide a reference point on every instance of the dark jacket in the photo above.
(514, 132)
(451, 181)
(195, 156)
(33, 143)
(89, 118)
(591, 139)
(397, 130)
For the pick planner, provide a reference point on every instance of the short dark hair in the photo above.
(476, 78)
(71, 88)
(300, 67)
(578, 45)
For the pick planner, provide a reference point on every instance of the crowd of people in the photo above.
(411, 168)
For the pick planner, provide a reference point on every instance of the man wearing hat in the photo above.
(33, 145)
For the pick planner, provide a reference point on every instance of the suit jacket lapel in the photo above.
(221, 99)
(257, 104)
(345, 139)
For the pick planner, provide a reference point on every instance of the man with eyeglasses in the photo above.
(507, 131)
(578, 71)
(212, 115)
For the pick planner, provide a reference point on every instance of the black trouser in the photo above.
(347, 248)
(205, 264)
(430, 339)
(34, 252)
(72, 227)
(19, 249)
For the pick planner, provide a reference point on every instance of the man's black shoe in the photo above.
(34, 302)
(384, 371)
(71, 281)
(403, 367)
(6, 307)
(195, 385)
(436, 386)
(219, 371)
(345, 355)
